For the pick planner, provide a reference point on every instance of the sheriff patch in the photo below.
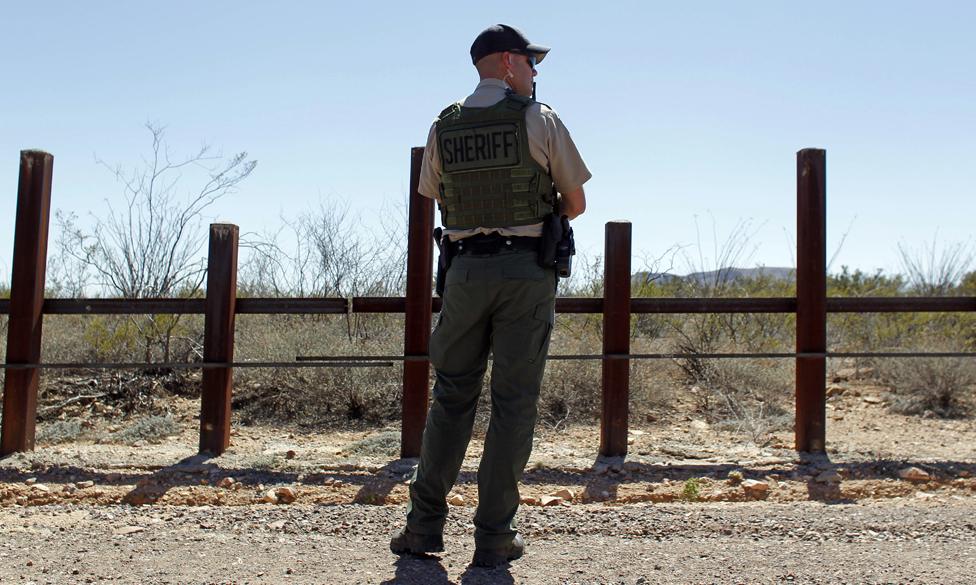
(479, 147)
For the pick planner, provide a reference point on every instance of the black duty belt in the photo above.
(484, 245)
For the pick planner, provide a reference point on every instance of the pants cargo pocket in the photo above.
(543, 319)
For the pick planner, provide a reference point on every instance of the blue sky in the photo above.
(682, 110)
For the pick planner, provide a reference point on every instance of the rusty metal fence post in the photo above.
(416, 326)
(811, 300)
(26, 301)
(616, 339)
(218, 344)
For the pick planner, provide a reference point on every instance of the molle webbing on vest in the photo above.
(488, 177)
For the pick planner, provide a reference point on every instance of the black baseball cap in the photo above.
(502, 37)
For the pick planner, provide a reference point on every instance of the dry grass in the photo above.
(941, 387)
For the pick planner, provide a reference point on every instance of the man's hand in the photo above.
(573, 203)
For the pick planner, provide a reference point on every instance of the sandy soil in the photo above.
(892, 502)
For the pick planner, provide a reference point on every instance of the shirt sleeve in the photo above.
(566, 166)
(430, 170)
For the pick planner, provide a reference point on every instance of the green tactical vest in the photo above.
(488, 177)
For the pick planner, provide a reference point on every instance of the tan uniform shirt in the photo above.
(549, 144)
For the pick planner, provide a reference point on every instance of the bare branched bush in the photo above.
(935, 269)
(150, 245)
(328, 252)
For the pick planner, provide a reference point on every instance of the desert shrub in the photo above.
(384, 443)
(325, 395)
(148, 428)
(570, 392)
(691, 490)
(110, 338)
(745, 396)
(59, 431)
(940, 387)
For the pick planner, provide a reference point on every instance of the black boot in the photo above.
(492, 557)
(418, 544)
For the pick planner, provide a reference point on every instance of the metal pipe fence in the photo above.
(811, 306)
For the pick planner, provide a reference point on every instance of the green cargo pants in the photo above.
(503, 303)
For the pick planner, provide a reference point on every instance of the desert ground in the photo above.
(892, 501)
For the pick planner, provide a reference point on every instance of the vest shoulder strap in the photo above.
(450, 111)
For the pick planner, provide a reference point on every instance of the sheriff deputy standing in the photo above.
(495, 163)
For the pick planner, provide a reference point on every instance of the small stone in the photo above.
(456, 500)
(871, 399)
(128, 530)
(551, 500)
(964, 473)
(914, 474)
(835, 390)
(269, 497)
(226, 482)
(530, 501)
(40, 487)
(286, 495)
(83, 485)
(566, 494)
(754, 486)
(290, 454)
(277, 525)
(829, 476)
(30, 480)
(699, 425)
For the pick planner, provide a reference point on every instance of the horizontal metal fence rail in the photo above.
(565, 305)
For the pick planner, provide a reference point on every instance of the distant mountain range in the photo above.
(716, 276)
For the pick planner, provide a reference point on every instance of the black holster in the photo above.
(557, 246)
(444, 257)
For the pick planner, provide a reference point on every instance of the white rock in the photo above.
(83, 485)
(128, 530)
(699, 425)
(551, 500)
(269, 497)
(286, 495)
(871, 399)
(30, 480)
(566, 494)
(829, 477)
(754, 486)
(914, 474)
(40, 487)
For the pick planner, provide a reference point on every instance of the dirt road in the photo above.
(902, 541)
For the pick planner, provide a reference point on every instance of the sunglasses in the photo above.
(529, 56)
